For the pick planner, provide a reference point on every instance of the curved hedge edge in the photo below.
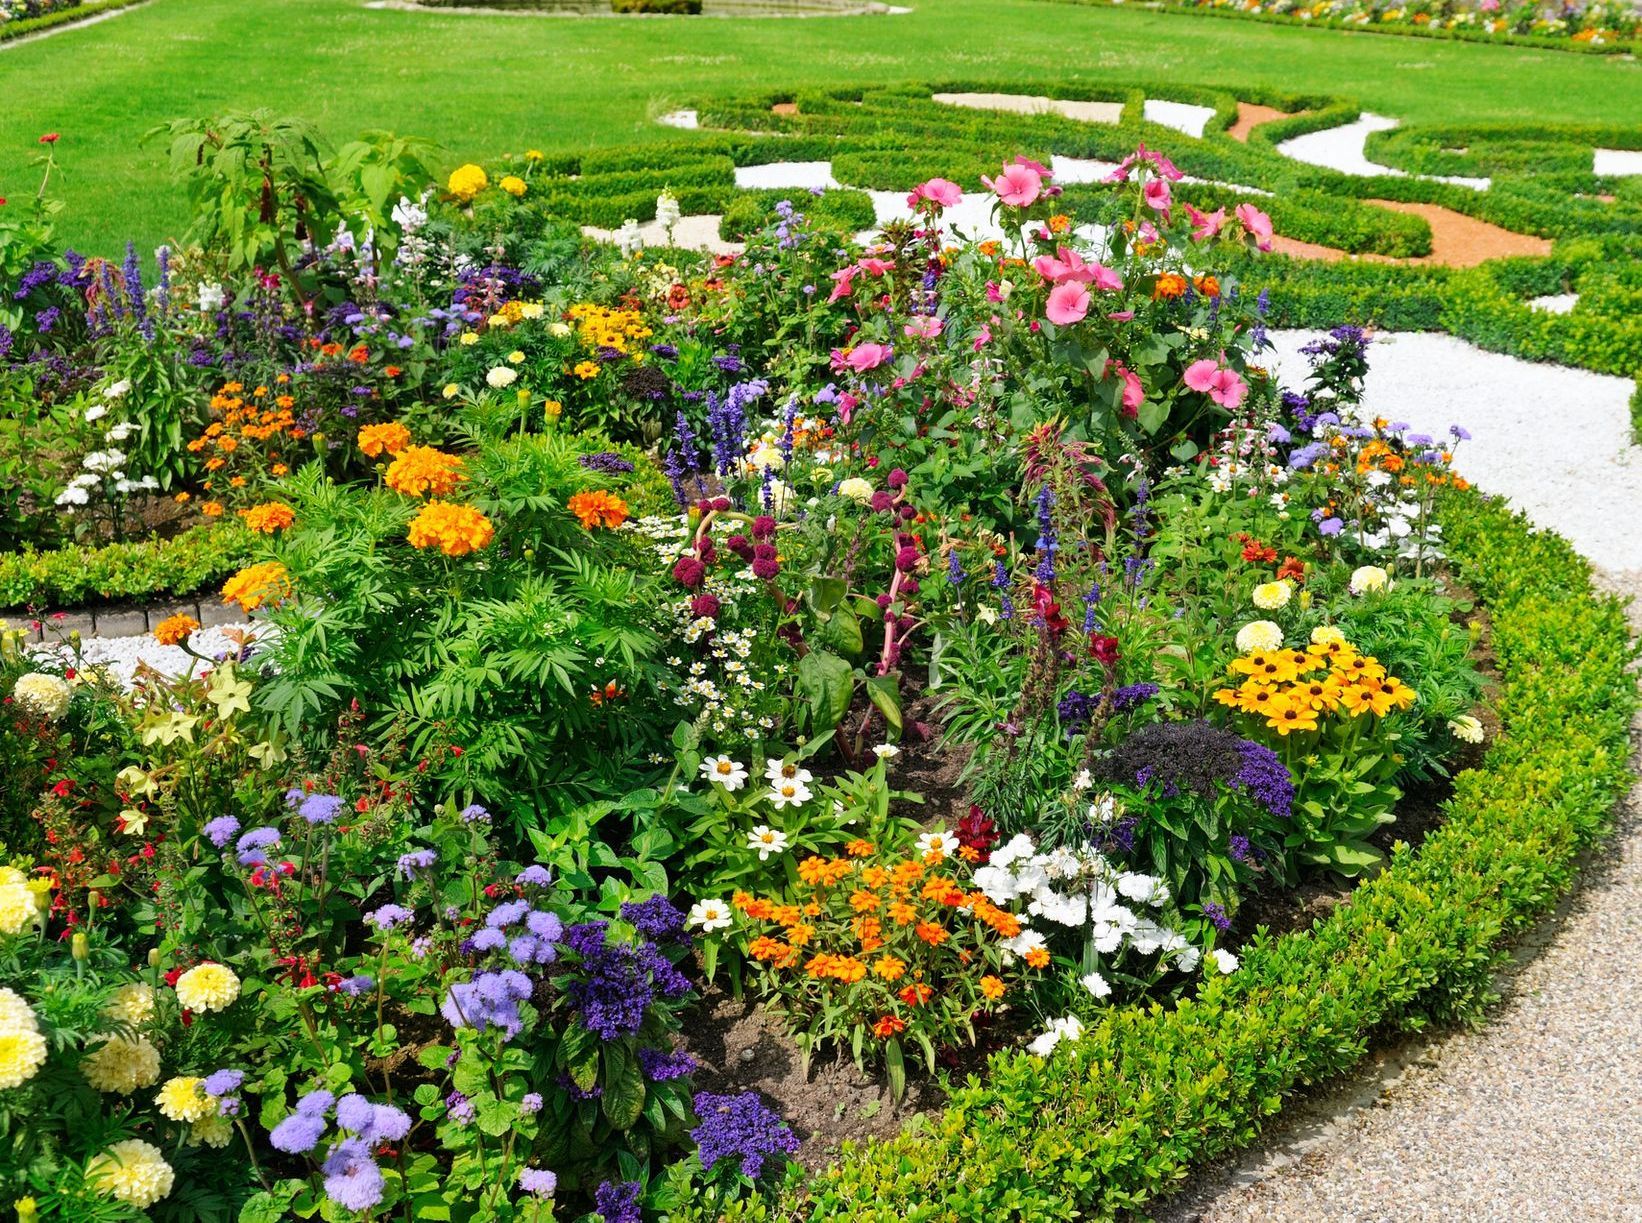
(66, 17)
(1150, 1092)
(1636, 413)
(69, 577)
(1541, 42)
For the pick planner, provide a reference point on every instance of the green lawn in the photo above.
(484, 85)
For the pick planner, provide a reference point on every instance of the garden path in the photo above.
(1532, 1116)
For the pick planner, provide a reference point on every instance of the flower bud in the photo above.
(80, 946)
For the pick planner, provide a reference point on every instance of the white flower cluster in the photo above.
(105, 466)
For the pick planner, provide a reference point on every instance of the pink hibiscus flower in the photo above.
(941, 192)
(1257, 224)
(1205, 225)
(1068, 303)
(1018, 186)
(1217, 382)
(862, 357)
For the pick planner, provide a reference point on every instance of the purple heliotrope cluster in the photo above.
(1264, 778)
(614, 984)
(740, 1127)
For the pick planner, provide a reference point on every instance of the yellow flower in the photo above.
(15, 1013)
(1327, 634)
(533, 154)
(1258, 635)
(19, 902)
(513, 185)
(552, 409)
(121, 1066)
(455, 530)
(451, 390)
(1368, 577)
(133, 1172)
(213, 1131)
(184, 1098)
(1269, 596)
(131, 1004)
(21, 1056)
(207, 987)
(469, 338)
(467, 181)
(586, 369)
(515, 356)
(44, 696)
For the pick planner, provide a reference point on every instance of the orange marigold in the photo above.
(454, 529)
(269, 517)
(421, 470)
(256, 585)
(598, 509)
(174, 630)
(1169, 285)
(390, 438)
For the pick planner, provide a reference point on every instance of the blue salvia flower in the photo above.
(1046, 545)
(131, 270)
(787, 421)
(954, 568)
(1090, 602)
(766, 492)
(686, 442)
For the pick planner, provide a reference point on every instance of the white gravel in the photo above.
(1342, 148)
(1182, 116)
(120, 656)
(1554, 441)
(1555, 303)
(786, 176)
(1617, 163)
(1035, 104)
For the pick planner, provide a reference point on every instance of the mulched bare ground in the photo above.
(1251, 115)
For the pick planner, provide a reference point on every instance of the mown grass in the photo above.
(486, 85)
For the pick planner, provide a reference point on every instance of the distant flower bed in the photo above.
(22, 10)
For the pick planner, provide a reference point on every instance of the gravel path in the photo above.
(1533, 1116)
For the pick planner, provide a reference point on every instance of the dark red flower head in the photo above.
(49, 138)
(1103, 649)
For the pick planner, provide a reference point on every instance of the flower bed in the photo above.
(946, 643)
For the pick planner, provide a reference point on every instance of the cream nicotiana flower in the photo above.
(207, 987)
(133, 1172)
(1466, 729)
(709, 915)
(1269, 596)
(730, 774)
(767, 841)
(1259, 635)
(44, 696)
(121, 1066)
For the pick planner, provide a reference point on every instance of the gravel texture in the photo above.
(120, 656)
(1342, 148)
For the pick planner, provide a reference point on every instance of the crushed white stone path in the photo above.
(120, 656)
(1342, 148)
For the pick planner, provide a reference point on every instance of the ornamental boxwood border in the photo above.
(64, 17)
(1117, 1120)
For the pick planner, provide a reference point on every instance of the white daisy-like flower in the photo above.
(778, 771)
(1225, 961)
(709, 915)
(730, 774)
(886, 751)
(788, 794)
(938, 842)
(767, 841)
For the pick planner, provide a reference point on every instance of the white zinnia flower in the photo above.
(709, 915)
(938, 842)
(730, 774)
(767, 841)
(788, 794)
(779, 771)
(886, 751)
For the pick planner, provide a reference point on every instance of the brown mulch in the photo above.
(1457, 241)
(1251, 115)
(784, 108)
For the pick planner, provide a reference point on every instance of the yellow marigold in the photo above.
(513, 185)
(420, 471)
(174, 630)
(184, 1098)
(467, 181)
(269, 517)
(598, 509)
(207, 987)
(15, 1014)
(20, 904)
(454, 529)
(389, 438)
(133, 1172)
(268, 582)
(121, 1066)
(45, 696)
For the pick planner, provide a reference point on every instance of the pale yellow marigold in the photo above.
(22, 1053)
(213, 1131)
(207, 987)
(421, 471)
(269, 517)
(20, 900)
(1269, 596)
(255, 585)
(389, 438)
(133, 1172)
(1327, 634)
(455, 530)
(184, 1098)
(131, 1004)
(467, 181)
(44, 696)
(122, 1066)
(15, 1014)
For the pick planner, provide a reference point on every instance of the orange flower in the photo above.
(931, 933)
(1169, 285)
(454, 529)
(598, 509)
(902, 914)
(991, 988)
(799, 935)
(256, 585)
(865, 902)
(859, 849)
(887, 1026)
(174, 630)
(874, 876)
(211, 509)
(421, 470)
(390, 438)
(889, 968)
(766, 948)
(279, 469)
(787, 915)
(916, 995)
(1038, 957)
(269, 517)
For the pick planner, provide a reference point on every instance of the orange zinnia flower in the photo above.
(887, 1026)
(931, 933)
(916, 994)
(991, 988)
(889, 968)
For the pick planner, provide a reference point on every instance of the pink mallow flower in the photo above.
(1257, 224)
(1068, 303)
(1145, 156)
(861, 357)
(923, 327)
(1134, 394)
(1157, 197)
(1018, 186)
(1069, 265)
(942, 192)
(843, 282)
(1205, 225)
(1217, 382)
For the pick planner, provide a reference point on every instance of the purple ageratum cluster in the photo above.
(490, 1000)
(389, 916)
(538, 1182)
(253, 847)
(740, 1127)
(614, 985)
(1265, 779)
(618, 1202)
(224, 1086)
(319, 808)
(529, 936)
(415, 862)
(221, 830)
(301, 1131)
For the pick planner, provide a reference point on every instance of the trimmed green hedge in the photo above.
(1118, 1119)
(71, 577)
(71, 16)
